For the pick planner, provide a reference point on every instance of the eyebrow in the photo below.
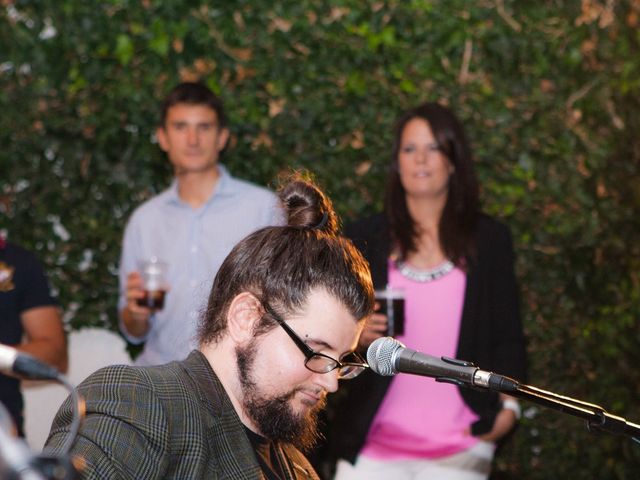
(305, 338)
(322, 343)
(185, 122)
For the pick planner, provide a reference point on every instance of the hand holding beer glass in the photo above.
(387, 319)
(145, 291)
(154, 284)
(391, 304)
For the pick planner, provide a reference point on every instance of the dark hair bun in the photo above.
(307, 207)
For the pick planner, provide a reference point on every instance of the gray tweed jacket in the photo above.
(171, 421)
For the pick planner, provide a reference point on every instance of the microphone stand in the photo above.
(387, 356)
(61, 467)
(17, 462)
(597, 418)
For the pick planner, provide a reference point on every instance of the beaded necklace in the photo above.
(424, 276)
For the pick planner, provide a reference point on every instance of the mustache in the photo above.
(318, 392)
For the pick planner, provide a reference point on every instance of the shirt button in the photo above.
(194, 249)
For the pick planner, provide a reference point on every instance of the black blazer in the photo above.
(491, 334)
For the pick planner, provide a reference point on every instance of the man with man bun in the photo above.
(283, 320)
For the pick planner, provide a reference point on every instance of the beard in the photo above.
(273, 415)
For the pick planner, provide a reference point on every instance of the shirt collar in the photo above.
(223, 187)
(225, 180)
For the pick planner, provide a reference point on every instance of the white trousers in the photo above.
(471, 464)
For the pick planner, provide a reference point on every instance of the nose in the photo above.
(422, 155)
(328, 381)
(192, 136)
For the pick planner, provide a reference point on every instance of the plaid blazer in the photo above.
(170, 421)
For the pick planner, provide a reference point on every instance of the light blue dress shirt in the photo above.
(194, 243)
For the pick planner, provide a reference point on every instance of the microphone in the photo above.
(23, 364)
(16, 460)
(387, 356)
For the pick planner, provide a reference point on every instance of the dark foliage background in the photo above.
(548, 90)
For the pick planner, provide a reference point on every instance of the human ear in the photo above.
(161, 135)
(223, 138)
(244, 312)
(452, 168)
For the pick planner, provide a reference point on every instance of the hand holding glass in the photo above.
(391, 304)
(154, 283)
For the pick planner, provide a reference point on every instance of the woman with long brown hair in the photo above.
(456, 268)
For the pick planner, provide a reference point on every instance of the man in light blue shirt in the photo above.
(191, 226)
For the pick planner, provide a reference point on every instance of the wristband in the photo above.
(513, 405)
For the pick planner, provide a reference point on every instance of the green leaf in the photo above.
(124, 49)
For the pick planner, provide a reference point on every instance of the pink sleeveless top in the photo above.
(419, 417)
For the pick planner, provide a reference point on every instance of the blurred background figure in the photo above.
(455, 266)
(30, 320)
(184, 233)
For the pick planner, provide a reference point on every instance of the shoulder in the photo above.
(124, 395)
(173, 377)
(367, 226)
(492, 230)
(25, 264)
(261, 206)
(19, 255)
(128, 377)
(250, 190)
(371, 236)
(147, 397)
(494, 241)
(189, 379)
(114, 377)
(153, 204)
(123, 412)
(149, 210)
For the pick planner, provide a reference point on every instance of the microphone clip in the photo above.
(455, 381)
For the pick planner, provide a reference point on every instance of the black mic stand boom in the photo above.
(597, 418)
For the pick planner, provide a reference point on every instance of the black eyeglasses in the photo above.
(319, 362)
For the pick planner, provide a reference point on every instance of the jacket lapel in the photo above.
(227, 440)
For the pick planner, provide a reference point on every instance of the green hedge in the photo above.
(548, 90)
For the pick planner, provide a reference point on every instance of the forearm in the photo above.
(51, 352)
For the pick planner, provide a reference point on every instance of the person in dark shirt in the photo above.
(30, 320)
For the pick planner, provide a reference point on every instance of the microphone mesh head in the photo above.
(381, 355)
